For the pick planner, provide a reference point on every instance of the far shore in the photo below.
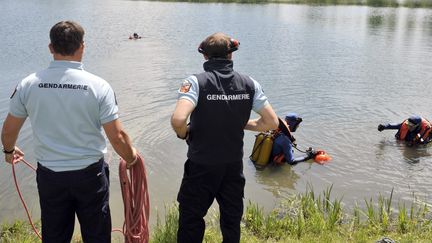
(372, 3)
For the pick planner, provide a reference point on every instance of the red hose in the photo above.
(136, 201)
(21, 197)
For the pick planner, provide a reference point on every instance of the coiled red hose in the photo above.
(136, 201)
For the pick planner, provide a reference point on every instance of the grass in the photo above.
(306, 217)
(19, 231)
(22, 232)
(311, 217)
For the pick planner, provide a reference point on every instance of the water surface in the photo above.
(344, 69)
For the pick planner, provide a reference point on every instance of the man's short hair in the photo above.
(66, 37)
(216, 45)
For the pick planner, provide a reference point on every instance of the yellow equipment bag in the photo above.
(262, 149)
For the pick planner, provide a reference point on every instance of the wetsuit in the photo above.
(403, 133)
(283, 151)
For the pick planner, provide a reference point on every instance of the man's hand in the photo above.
(129, 164)
(381, 127)
(186, 136)
(267, 121)
(16, 156)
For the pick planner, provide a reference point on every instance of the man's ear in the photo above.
(82, 46)
(205, 57)
(51, 48)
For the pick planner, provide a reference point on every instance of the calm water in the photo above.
(345, 69)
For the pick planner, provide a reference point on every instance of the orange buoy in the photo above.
(322, 157)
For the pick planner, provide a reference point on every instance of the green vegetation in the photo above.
(307, 217)
(418, 3)
(382, 3)
(19, 231)
(317, 218)
(22, 232)
(327, 2)
(373, 3)
(221, 1)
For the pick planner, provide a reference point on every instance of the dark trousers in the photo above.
(201, 184)
(82, 192)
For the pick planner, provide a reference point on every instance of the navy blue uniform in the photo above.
(214, 168)
(84, 192)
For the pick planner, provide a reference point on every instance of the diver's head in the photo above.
(293, 121)
(413, 122)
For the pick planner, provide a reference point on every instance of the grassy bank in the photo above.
(19, 231)
(373, 3)
(310, 217)
(307, 217)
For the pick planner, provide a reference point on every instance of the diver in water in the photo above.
(414, 130)
(284, 142)
(135, 36)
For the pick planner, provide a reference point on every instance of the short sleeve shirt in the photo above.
(190, 90)
(67, 107)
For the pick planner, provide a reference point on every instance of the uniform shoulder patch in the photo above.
(185, 86)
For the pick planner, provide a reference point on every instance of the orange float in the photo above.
(322, 157)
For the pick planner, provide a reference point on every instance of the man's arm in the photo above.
(11, 128)
(120, 141)
(182, 111)
(267, 121)
(389, 126)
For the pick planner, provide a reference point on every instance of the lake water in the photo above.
(344, 69)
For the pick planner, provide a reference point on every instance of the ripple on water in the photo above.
(339, 68)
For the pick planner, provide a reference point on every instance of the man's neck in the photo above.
(74, 58)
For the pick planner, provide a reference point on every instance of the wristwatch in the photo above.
(8, 152)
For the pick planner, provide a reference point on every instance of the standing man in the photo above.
(67, 107)
(219, 102)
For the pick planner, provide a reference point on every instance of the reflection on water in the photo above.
(277, 179)
(344, 69)
(409, 154)
(413, 155)
(375, 21)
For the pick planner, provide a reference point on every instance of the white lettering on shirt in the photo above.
(228, 97)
